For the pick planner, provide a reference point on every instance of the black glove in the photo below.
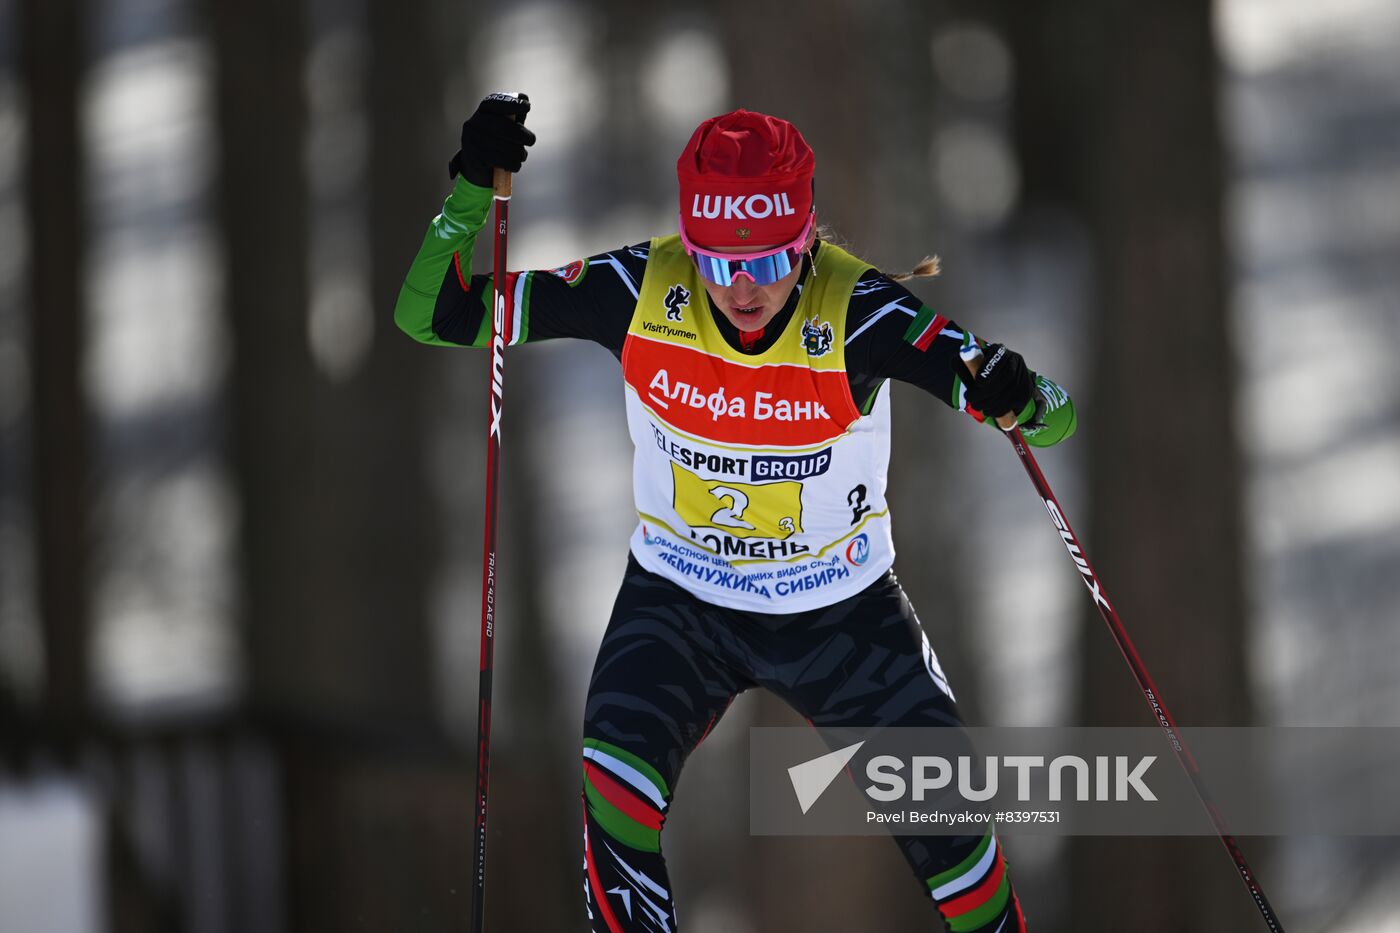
(491, 139)
(1002, 384)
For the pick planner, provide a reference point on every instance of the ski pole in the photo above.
(1007, 423)
(500, 336)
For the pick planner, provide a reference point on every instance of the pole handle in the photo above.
(500, 179)
(973, 360)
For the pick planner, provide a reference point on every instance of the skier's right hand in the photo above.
(1001, 384)
(494, 137)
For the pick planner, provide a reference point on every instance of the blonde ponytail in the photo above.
(928, 266)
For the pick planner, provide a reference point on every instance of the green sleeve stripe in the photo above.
(919, 324)
(963, 867)
(524, 334)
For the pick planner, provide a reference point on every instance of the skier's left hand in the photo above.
(493, 137)
(1002, 384)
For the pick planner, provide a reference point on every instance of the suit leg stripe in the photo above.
(638, 781)
(622, 797)
(966, 875)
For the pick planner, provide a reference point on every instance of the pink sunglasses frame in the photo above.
(795, 247)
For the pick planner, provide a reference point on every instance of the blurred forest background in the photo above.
(240, 512)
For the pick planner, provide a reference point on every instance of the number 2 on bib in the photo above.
(745, 510)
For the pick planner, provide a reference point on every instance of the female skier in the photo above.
(756, 361)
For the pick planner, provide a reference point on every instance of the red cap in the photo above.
(745, 180)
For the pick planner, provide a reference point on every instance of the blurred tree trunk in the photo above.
(384, 516)
(624, 146)
(261, 195)
(260, 49)
(53, 58)
(337, 533)
(339, 542)
(1165, 459)
(1119, 115)
(55, 54)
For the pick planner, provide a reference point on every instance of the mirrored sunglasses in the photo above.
(763, 268)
